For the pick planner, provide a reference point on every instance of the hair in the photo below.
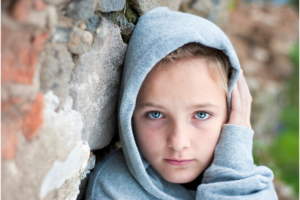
(218, 63)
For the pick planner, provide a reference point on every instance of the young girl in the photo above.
(184, 118)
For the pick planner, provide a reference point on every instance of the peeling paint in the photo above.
(33, 120)
(61, 171)
(12, 168)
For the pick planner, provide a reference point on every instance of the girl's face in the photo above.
(178, 117)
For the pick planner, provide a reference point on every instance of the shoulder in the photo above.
(114, 162)
(111, 179)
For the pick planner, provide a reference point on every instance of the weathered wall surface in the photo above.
(61, 67)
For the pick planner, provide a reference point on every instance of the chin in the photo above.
(179, 176)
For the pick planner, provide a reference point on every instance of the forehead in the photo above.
(187, 79)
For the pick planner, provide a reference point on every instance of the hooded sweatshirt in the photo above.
(125, 174)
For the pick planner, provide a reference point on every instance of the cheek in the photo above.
(205, 147)
(151, 145)
(206, 139)
(149, 137)
(148, 131)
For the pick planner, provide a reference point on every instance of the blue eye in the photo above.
(155, 115)
(201, 115)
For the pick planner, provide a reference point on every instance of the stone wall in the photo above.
(61, 68)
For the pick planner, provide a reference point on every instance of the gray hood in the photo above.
(157, 34)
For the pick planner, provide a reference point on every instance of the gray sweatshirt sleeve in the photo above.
(232, 174)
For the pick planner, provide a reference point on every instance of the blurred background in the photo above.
(61, 63)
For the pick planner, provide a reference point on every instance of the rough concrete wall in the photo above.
(61, 68)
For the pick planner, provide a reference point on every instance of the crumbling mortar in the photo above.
(130, 13)
(116, 17)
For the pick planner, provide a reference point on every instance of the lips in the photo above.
(178, 162)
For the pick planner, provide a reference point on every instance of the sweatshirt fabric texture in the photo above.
(125, 174)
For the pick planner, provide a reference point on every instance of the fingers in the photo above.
(236, 107)
(248, 123)
(246, 101)
(243, 97)
(241, 103)
(242, 86)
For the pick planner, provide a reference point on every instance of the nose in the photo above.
(178, 137)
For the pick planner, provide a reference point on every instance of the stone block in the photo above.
(94, 86)
(57, 66)
(61, 34)
(110, 5)
(79, 41)
(93, 23)
(119, 19)
(80, 9)
(143, 6)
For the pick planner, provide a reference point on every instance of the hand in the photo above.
(241, 103)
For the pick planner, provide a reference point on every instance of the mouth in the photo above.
(178, 162)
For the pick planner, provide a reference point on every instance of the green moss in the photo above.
(97, 12)
(130, 14)
(115, 17)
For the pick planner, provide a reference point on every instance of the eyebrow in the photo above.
(203, 105)
(148, 104)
